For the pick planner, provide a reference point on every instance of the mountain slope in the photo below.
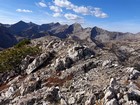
(20, 26)
(6, 38)
(104, 35)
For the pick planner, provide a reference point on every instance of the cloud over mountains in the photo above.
(72, 12)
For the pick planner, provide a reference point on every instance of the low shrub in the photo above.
(10, 59)
(23, 43)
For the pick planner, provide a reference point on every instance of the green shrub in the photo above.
(10, 59)
(23, 43)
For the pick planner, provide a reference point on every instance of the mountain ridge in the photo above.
(22, 30)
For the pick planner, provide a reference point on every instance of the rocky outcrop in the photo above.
(64, 63)
(80, 52)
(37, 62)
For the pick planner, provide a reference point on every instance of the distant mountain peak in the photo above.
(76, 24)
(74, 28)
(21, 22)
(98, 28)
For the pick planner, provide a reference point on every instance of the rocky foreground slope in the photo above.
(74, 72)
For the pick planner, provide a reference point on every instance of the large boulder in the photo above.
(78, 52)
(134, 74)
(53, 96)
(26, 61)
(32, 86)
(133, 92)
(64, 63)
(37, 62)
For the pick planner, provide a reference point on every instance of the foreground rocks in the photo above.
(69, 72)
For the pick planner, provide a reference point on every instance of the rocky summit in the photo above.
(73, 72)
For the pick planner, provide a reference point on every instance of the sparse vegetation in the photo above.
(23, 43)
(10, 59)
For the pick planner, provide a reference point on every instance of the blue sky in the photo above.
(114, 15)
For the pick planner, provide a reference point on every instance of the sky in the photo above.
(113, 15)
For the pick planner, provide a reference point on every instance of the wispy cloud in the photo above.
(64, 3)
(57, 15)
(84, 10)
(42, 4)
(24, 10)
(71, 16)
(55, 9)
(74, 18)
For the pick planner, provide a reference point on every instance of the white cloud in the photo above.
(24, 10)
(81, 9)
(55, 9)
(64, 3)
(42, 4)
(56, 15)
(71, 16)
(98, 13)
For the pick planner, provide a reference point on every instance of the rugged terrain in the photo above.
(12, 34)
(76, 71)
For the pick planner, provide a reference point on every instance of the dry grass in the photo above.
(99, 102)
(4, 86)
(137, 83)
(56, 81)
(126, 82)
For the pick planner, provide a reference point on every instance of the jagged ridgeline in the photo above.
(12, 34)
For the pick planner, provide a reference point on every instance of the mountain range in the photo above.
(12, 34)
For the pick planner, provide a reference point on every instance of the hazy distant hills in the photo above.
(11, 34)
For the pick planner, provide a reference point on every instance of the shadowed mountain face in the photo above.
(20, 26)
(22, 30)
(6, 38)
(104, 35)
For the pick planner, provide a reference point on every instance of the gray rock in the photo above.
(37, 62)
(71, 100)
(105, 63)
(134, 75)
(113, 82)
(53, 96)
(33, 86)
(26, 61)
(61, 64)
(112, 102)
(63, 102)
(78, 52)
(10, 92)
(109, 94)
